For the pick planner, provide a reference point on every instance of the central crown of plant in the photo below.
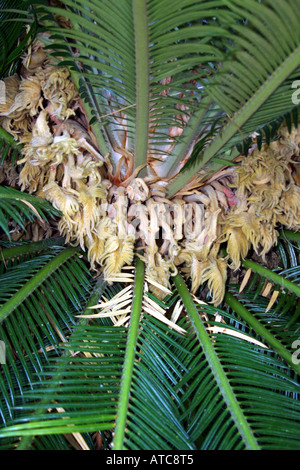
(106, 140)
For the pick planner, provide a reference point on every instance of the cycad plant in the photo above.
(156, 145)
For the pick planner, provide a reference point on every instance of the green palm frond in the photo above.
(280, 319)
(243, 370)
(232, 393)
(270, 131)
(13, 35)
(8, 145)
(141, 58)
(17, 206)
(37, 311)
(273, 299)
(266, 407)
(268, 64)
(288, 248)
(209, 423)
(60, 442)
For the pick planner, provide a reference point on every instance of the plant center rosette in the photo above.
(113, 212)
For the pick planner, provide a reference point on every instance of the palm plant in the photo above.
(170, 94)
